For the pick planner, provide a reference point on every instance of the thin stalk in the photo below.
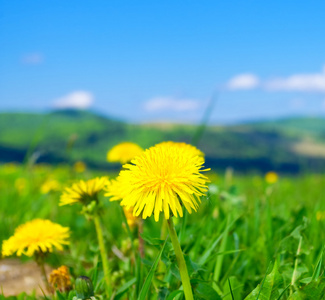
(103, 253)
(141, 241)
(294, 274)
(44, 277)
(136, 259)
(180, 261)
(163, 235)
(219, 261)
(39, 257)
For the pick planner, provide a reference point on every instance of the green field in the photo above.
(248, 240)
(291, 146)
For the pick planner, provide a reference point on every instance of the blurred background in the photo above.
(243, 80)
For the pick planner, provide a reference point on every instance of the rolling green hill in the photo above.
(287, 145)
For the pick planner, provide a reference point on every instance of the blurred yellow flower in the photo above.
(36, 236)
(79, 167)
(60, 279)
(49, 186)
(124, 152)
(83, 191)
(162, 178)
(320, 215)
(130, 218)
(20, 184)
(271, 177)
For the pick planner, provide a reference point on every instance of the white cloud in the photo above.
(170, 103)
(298, 82)
(77, 99)
(304, 82)
(245, 81)
(32, 58)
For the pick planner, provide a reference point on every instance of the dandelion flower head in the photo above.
(115, 189)
(130, 218)
(191, 149)
(60, 279)
(36, 236)
(79, 167)
(83, 191)
(271, 177)
(163, 178)
(320, 215)
(50, 185)
(124, 152)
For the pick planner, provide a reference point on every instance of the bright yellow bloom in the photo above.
(114, 189)
(83, 191)
(271, 177)
(79, 167)
(36, 236)
(130, 218)
(60, 279)
(191, 149)
(50, 185)
(124, 152)
(163, 178)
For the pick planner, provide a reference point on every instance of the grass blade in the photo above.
(218, 266)
(147, 283)
(232, 295)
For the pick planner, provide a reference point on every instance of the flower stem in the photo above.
(40, 263)
(141, 241)
(180, 261)
(103, 253)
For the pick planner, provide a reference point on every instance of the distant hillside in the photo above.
(287, 145)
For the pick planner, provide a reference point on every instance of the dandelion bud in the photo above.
(84, 288)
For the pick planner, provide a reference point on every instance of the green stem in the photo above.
(39, 257)
(141, 241)
(44, 277)
(103, 253)
(294, 275)
(163, 235)
(180, 261)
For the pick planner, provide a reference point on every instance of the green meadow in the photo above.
(249, 239)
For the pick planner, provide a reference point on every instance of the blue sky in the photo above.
(149, 61)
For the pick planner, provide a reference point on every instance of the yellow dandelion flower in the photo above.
(36, 236)
(60, 279)
(79, 167)
(163, 178)
(320, 215)
(124, 152)
(83, 191)
(50, 185)
(130, 218)
(271, 177)
(191, 149)
(114, 189)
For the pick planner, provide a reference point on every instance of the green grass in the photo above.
(67, 136)
(241, 243)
